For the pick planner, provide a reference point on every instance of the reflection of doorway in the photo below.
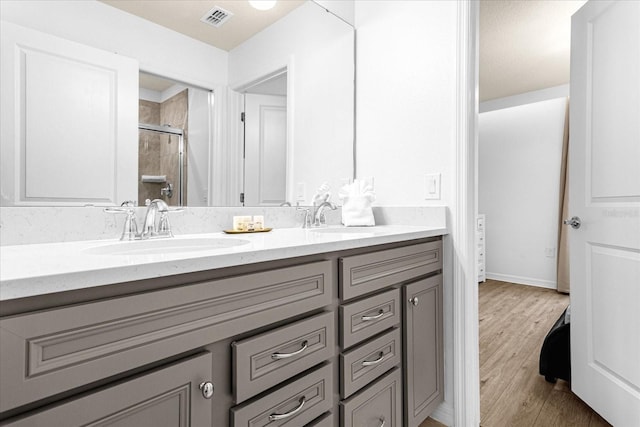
(265, 145)
(165, 104)
(265, 142)
(161, 164)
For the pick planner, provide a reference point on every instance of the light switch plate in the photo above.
(301, 190)
(432, 186)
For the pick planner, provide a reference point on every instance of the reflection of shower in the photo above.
(169, 189)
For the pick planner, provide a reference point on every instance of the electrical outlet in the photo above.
(432, 186)
(550, 252)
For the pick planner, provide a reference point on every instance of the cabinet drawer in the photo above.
(362, 274)
(325, 420)
(367, 362)
(295, 404)
(48, 352)
(268, 359)
(362, 319)
(166, 397)
(381, 402)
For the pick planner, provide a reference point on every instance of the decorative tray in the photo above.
(264, 230)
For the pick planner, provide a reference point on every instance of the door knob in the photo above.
(207, 389)
(574, 222)
(415, 301)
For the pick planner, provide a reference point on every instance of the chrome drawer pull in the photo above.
(376, 317)
(382, 421)
(374, 362)
(278, 356)
(276, 417)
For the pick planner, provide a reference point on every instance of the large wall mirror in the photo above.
(294, 82)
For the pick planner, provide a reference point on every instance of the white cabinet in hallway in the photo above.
(480, 239)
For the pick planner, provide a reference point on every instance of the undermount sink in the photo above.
(164, 246)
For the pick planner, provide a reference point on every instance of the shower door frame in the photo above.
(180, 133)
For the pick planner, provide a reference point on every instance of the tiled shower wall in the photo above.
(158, 153)
(148, 151)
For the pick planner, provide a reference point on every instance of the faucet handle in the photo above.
(306, 223)
(130, 230)
(164, 228)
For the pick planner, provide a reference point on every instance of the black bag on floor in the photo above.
(555, 355)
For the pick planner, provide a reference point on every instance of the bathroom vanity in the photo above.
(293, 328)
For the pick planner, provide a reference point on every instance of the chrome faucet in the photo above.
(153, 227)
(319, 219)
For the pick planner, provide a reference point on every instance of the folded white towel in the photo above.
(356, 204)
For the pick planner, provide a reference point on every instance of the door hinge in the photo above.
(242, 116)
(241, 197)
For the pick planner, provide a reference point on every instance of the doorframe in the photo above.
(241, 89)
(466, 370)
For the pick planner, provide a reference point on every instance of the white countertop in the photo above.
(38, 269)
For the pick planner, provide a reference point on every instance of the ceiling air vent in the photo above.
(216, 16)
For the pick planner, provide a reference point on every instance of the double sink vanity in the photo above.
(295, 327)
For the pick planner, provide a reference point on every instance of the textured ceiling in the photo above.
(524, 45)
(184, 16)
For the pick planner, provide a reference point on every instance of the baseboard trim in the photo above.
(548, 284)
(444, 414)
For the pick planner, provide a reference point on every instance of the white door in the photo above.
(69, 122)
(605, 195)
(265, 163)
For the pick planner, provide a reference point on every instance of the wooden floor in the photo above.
(429, 422)
(514, 319)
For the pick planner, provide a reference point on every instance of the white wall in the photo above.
(519, 163)
(317, 48)
(159, 50)
(345, 9)
(198, 150)
(407, 54)
(406, 58)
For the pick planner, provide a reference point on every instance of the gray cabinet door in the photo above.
(424, 371)
(166, 397)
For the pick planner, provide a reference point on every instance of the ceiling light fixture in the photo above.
(262, 4)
